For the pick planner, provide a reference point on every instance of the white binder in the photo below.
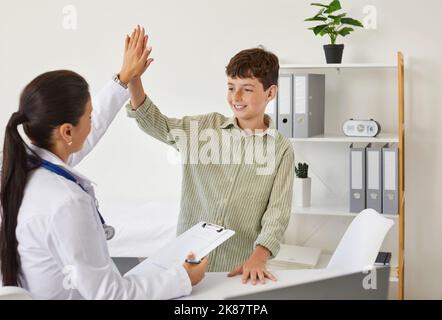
(201, 239)
(357, 176)
(272, 111)
(285, 105)
(390, 199)
(374, 176)
(308, 105)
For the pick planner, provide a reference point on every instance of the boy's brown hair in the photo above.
(255, 62)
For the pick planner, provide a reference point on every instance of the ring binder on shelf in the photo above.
(308, 105)
(390, 160)
(374, 176)
(272, 111)
(285, 105)
(357, 176)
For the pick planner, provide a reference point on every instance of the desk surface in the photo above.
(217, 286)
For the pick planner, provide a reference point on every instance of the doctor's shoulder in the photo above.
(46, 189)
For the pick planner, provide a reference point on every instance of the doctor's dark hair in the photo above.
(50, 100)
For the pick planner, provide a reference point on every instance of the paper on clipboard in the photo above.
(201, 239)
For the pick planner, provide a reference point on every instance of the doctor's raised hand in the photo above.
(109, 100)
(136, 56)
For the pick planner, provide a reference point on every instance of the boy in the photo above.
(240, 195)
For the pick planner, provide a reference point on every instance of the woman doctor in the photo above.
(52, 235)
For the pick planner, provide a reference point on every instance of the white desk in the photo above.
(217, 286)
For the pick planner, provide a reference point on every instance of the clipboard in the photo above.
(201, 239)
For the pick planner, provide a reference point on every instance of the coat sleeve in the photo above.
(105, 106)
(77, 240)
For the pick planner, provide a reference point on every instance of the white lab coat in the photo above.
(62, 247)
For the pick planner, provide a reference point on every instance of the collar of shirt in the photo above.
(233, 122)
(49, 156)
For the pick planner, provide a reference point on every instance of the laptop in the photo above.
(370, 285)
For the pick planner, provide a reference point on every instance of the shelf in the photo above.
(382, 137)
(330, 210)
(339, 66)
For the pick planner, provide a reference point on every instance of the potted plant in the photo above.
(302, 186)
(333, 24)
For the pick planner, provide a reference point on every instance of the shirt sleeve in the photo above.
(277, 215)
(172, 131)
(106, 104)
(77, 239)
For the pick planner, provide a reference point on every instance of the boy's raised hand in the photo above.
(136, 56)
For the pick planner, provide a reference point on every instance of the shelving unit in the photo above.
(331, 210)
(339, 66)
(336, 207)
(383, 137)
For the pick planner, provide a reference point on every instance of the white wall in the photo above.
(192, 42)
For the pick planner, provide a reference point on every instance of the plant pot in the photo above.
(303, 190)
(333, 53)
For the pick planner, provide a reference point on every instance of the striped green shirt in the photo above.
(222, 185)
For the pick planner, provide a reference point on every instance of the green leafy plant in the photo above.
(301, 170)
(333, 24)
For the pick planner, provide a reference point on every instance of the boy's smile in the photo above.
(248, 100)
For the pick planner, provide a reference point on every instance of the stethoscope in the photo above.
(109, 231)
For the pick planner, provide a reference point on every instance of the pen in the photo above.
(193, 261)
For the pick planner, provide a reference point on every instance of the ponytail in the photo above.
(13, 181)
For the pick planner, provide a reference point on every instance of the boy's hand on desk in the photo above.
(255, 267)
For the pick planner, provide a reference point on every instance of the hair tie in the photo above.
(18, 117)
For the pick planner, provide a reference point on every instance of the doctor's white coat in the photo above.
(62, 247)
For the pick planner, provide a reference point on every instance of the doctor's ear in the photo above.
(65, 132)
